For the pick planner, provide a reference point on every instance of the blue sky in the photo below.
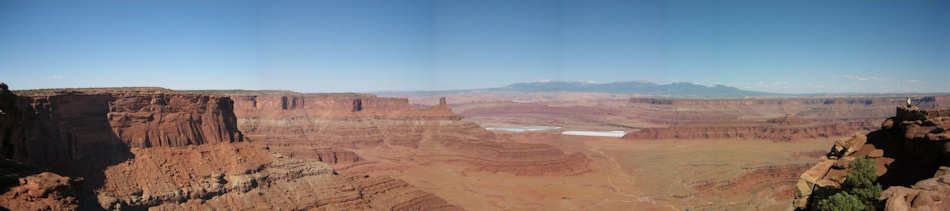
(800, 46)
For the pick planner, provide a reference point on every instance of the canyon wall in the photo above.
(328, 126)
(337, 120)
(153, 148)
(860, 113)
(912, 155)
(11, 126)
(783, 129)
(97, 127)
(24, 187)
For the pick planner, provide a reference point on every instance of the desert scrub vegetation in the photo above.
(858, 192)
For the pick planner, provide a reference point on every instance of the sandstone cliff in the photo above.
(80, 131)
(138, 148)
(910, 149)
(859, 113)
(338, 120)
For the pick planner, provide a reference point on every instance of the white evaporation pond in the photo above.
(615, 134)
(521, 129)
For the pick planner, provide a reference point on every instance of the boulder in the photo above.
(845, 147)
(929, 194)
(809, 180)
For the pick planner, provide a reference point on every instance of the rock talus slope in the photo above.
(912, 157)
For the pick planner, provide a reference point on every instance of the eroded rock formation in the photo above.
(333, 156)
(244, 176)
(912, 157)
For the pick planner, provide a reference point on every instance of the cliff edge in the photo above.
(912, 158)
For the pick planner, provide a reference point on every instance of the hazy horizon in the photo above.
(852, 46)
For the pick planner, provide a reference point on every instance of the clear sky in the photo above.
(789, 46)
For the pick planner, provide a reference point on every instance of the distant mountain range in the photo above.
(679, 89)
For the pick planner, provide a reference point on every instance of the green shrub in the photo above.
(842, 201)
(860, 181)
(868, 195)
(858, 192)
(862, 174)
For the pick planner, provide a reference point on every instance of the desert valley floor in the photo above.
(715, 174)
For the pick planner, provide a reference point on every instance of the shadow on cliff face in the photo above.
(74, 138)
(914, 160)
(10, 173)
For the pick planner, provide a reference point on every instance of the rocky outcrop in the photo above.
(335, 156)
(830, 170)
(912, 157)
(928, 194)
(784, 129)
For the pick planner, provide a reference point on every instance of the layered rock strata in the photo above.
(98, 126)
(306, 125)
(783, 129)
(245, 176)
(912, 157)
(859, 113)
